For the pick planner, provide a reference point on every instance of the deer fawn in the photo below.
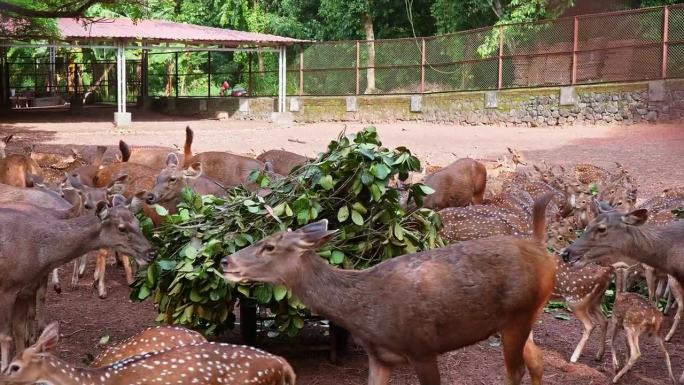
(458, 312)
(206, 363)
(636, 316)
(33, 245)
(151, 340)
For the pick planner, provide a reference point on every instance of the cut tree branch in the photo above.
(79, 9)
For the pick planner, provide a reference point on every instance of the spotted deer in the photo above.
(207, 363)
(636, 316)
(86, 174)
(151, 340)
(3, 145)
(458, 313)
(33, 245)
(155, 157)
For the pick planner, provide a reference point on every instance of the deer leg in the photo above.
(6, 307)
(676, 290)
(534, 360)
(661, 343)
(79, 270)
(514, 336)
(427, 371)
(612, 331)
(378, 373)
(634, 353)
(55, 280)
(128, 270)
(100, 267)
(651, 282)
(582, 314)
(601, 319)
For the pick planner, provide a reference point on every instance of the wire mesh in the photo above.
(538, 38)
(620, 29)
(676, 24)
(675, 62)
(620, 64)
(537, 70)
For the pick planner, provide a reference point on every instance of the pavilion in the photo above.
(124, 34)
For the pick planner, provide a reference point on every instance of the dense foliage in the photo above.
(348, 185)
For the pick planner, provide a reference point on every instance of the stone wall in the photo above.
(591, 104)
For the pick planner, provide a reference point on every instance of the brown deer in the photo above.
(154, 157)
(459, 184)
(15, 170)
(462, 281)
(33, 245)
(636, 316)
(207, 363)
(151, 340)
(172, 180)
(283, 161)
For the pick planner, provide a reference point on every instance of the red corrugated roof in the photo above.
(161, 30)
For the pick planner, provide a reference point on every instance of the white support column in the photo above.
(122, 119)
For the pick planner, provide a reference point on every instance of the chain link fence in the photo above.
(597, 48)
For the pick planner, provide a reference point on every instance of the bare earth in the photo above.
(653, 153)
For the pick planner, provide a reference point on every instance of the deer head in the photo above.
(606, 235)
(277, 257)
(91, 195)
(32, 365)
(171, 180)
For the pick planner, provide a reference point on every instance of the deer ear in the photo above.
(268, 166)
(636, 217)
(137, 202)
(101, 210)
(8, 138)
(118, 200)
(117, 186)
(49, 338)
(315, 234)
(72, 196)
(73, 181)
(172, 160)
(194, 171)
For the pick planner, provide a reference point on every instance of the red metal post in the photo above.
(575, 44)
(666, 28)
(301, 69)
(358, 69)
(422, 66)
(501, 44)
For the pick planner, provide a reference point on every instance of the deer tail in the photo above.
(539, 217)
(125, 151)
(187, 149)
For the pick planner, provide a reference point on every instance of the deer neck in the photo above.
(73, 237)
(656, 246)
(333, 293)
(63, 373)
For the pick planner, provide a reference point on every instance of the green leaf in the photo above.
(375, 192)
(561, 316)
(327, 182)
(143, 293)
(189, 252)
(244, 290)
(357, 206)
(357, 218)
(104, 340)
(161, 211)
(398, 231)
(184, 214)
(298, 322)
(427, 190)
(337, 257)
(367, 178)
(279, 292)
(195, 296)
(166, 264)
(343, 214)
(380, 170)
(263, 294)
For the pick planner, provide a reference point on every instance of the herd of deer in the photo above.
(496, 275)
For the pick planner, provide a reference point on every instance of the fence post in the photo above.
(175, 73)
(209, 74)
(501, 41)
(358, 69)
(666, 28)
(575, 45)
(249, 74)
(422, 67)
(301, 69)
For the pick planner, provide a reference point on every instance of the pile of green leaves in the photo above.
(349, 185)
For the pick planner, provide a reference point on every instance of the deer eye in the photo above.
(601, 228)
(173, 179)
(560, 237)
(14, 368)
(269, 248)
(121, 228)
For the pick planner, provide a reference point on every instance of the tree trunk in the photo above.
(370, 62)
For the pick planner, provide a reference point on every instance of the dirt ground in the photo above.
(653, 153)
